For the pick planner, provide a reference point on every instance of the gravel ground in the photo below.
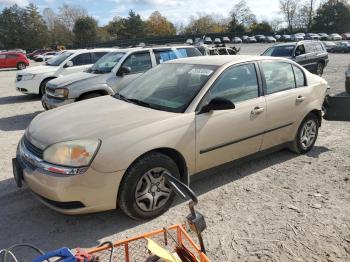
(280, 207)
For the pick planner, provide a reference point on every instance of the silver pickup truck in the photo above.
(110, 74)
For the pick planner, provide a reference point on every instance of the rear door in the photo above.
(11, 60)
(97, 55)
(223, 136)
(286, 94)
(138, 62)
(2, 60)
(81, 62)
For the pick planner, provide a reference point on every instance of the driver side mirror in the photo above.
(217, 104)
(68, 64)
(124, 70)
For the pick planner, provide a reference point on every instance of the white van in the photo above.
(33, 80)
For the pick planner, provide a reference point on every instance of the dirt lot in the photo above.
(281, 207)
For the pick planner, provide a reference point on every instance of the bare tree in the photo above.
(289, 10)
(49, 17)
(241, 14)
(69, 14)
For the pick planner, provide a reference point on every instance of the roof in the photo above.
(11, 53)
(221, 60)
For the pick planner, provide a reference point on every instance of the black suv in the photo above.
(310, 54)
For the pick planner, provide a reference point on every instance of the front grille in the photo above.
(19, 78)
(33, 149)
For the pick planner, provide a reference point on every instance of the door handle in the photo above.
(300, 99)
(257, 110)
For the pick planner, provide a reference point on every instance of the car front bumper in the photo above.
(50, 102)
(28, 86)
(89, 192)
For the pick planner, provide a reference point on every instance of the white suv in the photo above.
(33, 80)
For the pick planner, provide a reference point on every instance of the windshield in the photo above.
(280, 51)
(167, 87)
(106, 63)
(57, 60)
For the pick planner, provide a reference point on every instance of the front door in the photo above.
(80, 63)
(223, 136)
(138, 63)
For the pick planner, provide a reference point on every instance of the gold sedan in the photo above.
(182, 117)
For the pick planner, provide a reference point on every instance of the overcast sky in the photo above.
(176, 10)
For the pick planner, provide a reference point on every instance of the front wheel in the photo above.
(307, 135)
(319, 70)
(21, 66)
(144, 193)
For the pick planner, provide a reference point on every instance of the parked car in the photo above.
(341, 47)
(110, 74)
(335, 37)
(44, 56)
(347, 80)
(346, 36)
(329, 46)
(33, 80)
(270, 39)
(37, 52)
(260, 38)
(310, 54)
(217, 41)
(245, 38)
(251, 39)
(324, 36)
(17, 50)
(297, 37)
(189, 41)
(177, 118)
(312, 36)
(237, 40)
(286, 38)
(278, 37)
(208, 41)
(198, 40)
(228, 50)
(13, 60)
(50, 55)
(207, 51)
(226, 40)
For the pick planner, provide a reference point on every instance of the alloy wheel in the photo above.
(308, 134)
(152, 192)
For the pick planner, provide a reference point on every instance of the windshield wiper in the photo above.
(137, 102)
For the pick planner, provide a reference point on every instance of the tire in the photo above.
(143, 181)
(299, 145)
(319, 69)
(42, 90)
(21, 66)
(89, 96)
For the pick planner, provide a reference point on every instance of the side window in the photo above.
(237, 83)
(82, 59)
(300, 50)
(279, 76)
(165, 55)
(97, 56)
(299, 77)
(319, 47)
(222, 51)
(138, 62)
(309, 48)
(189, 52)
(11, 56)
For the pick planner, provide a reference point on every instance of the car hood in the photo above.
(39, 70)
(77, 78)
(97, 118)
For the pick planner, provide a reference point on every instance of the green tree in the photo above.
(134, 26)
(262, 28)
(36, 32)
(332, 16)
(85, 30)
(203, 25)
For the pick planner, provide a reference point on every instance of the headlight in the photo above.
(28, 77)
(77, 153)
(61, 92)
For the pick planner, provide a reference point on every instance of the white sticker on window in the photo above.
(200, 71)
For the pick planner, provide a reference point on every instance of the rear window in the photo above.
(166, 55)
(280, 51)
(189, 52)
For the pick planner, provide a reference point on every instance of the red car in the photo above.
(13, 60)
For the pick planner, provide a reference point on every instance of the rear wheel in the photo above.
(21, 66)
(307, 135)
(319, 70)
(143, 193)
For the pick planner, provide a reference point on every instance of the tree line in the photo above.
(28, 28)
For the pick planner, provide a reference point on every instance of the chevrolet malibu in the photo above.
(182, 118)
